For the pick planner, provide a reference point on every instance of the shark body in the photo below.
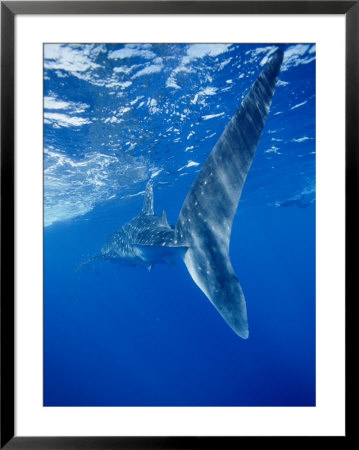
(146, 240)
(201, 236)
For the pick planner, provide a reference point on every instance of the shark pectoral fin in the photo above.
(158, 253)
(218, 282)
(147, 207)
(171, 261)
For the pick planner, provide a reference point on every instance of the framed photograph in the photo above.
(176, 181)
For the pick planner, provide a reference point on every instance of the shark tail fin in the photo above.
(147, 207)
(206, 218)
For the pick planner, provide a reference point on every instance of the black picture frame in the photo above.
(9, 9)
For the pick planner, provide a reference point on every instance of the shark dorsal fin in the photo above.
(163, 222)
(147, 207)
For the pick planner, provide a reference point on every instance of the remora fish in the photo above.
(202, 233)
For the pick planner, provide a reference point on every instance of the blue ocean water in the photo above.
(116, 116)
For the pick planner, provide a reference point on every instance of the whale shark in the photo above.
(201, 236)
